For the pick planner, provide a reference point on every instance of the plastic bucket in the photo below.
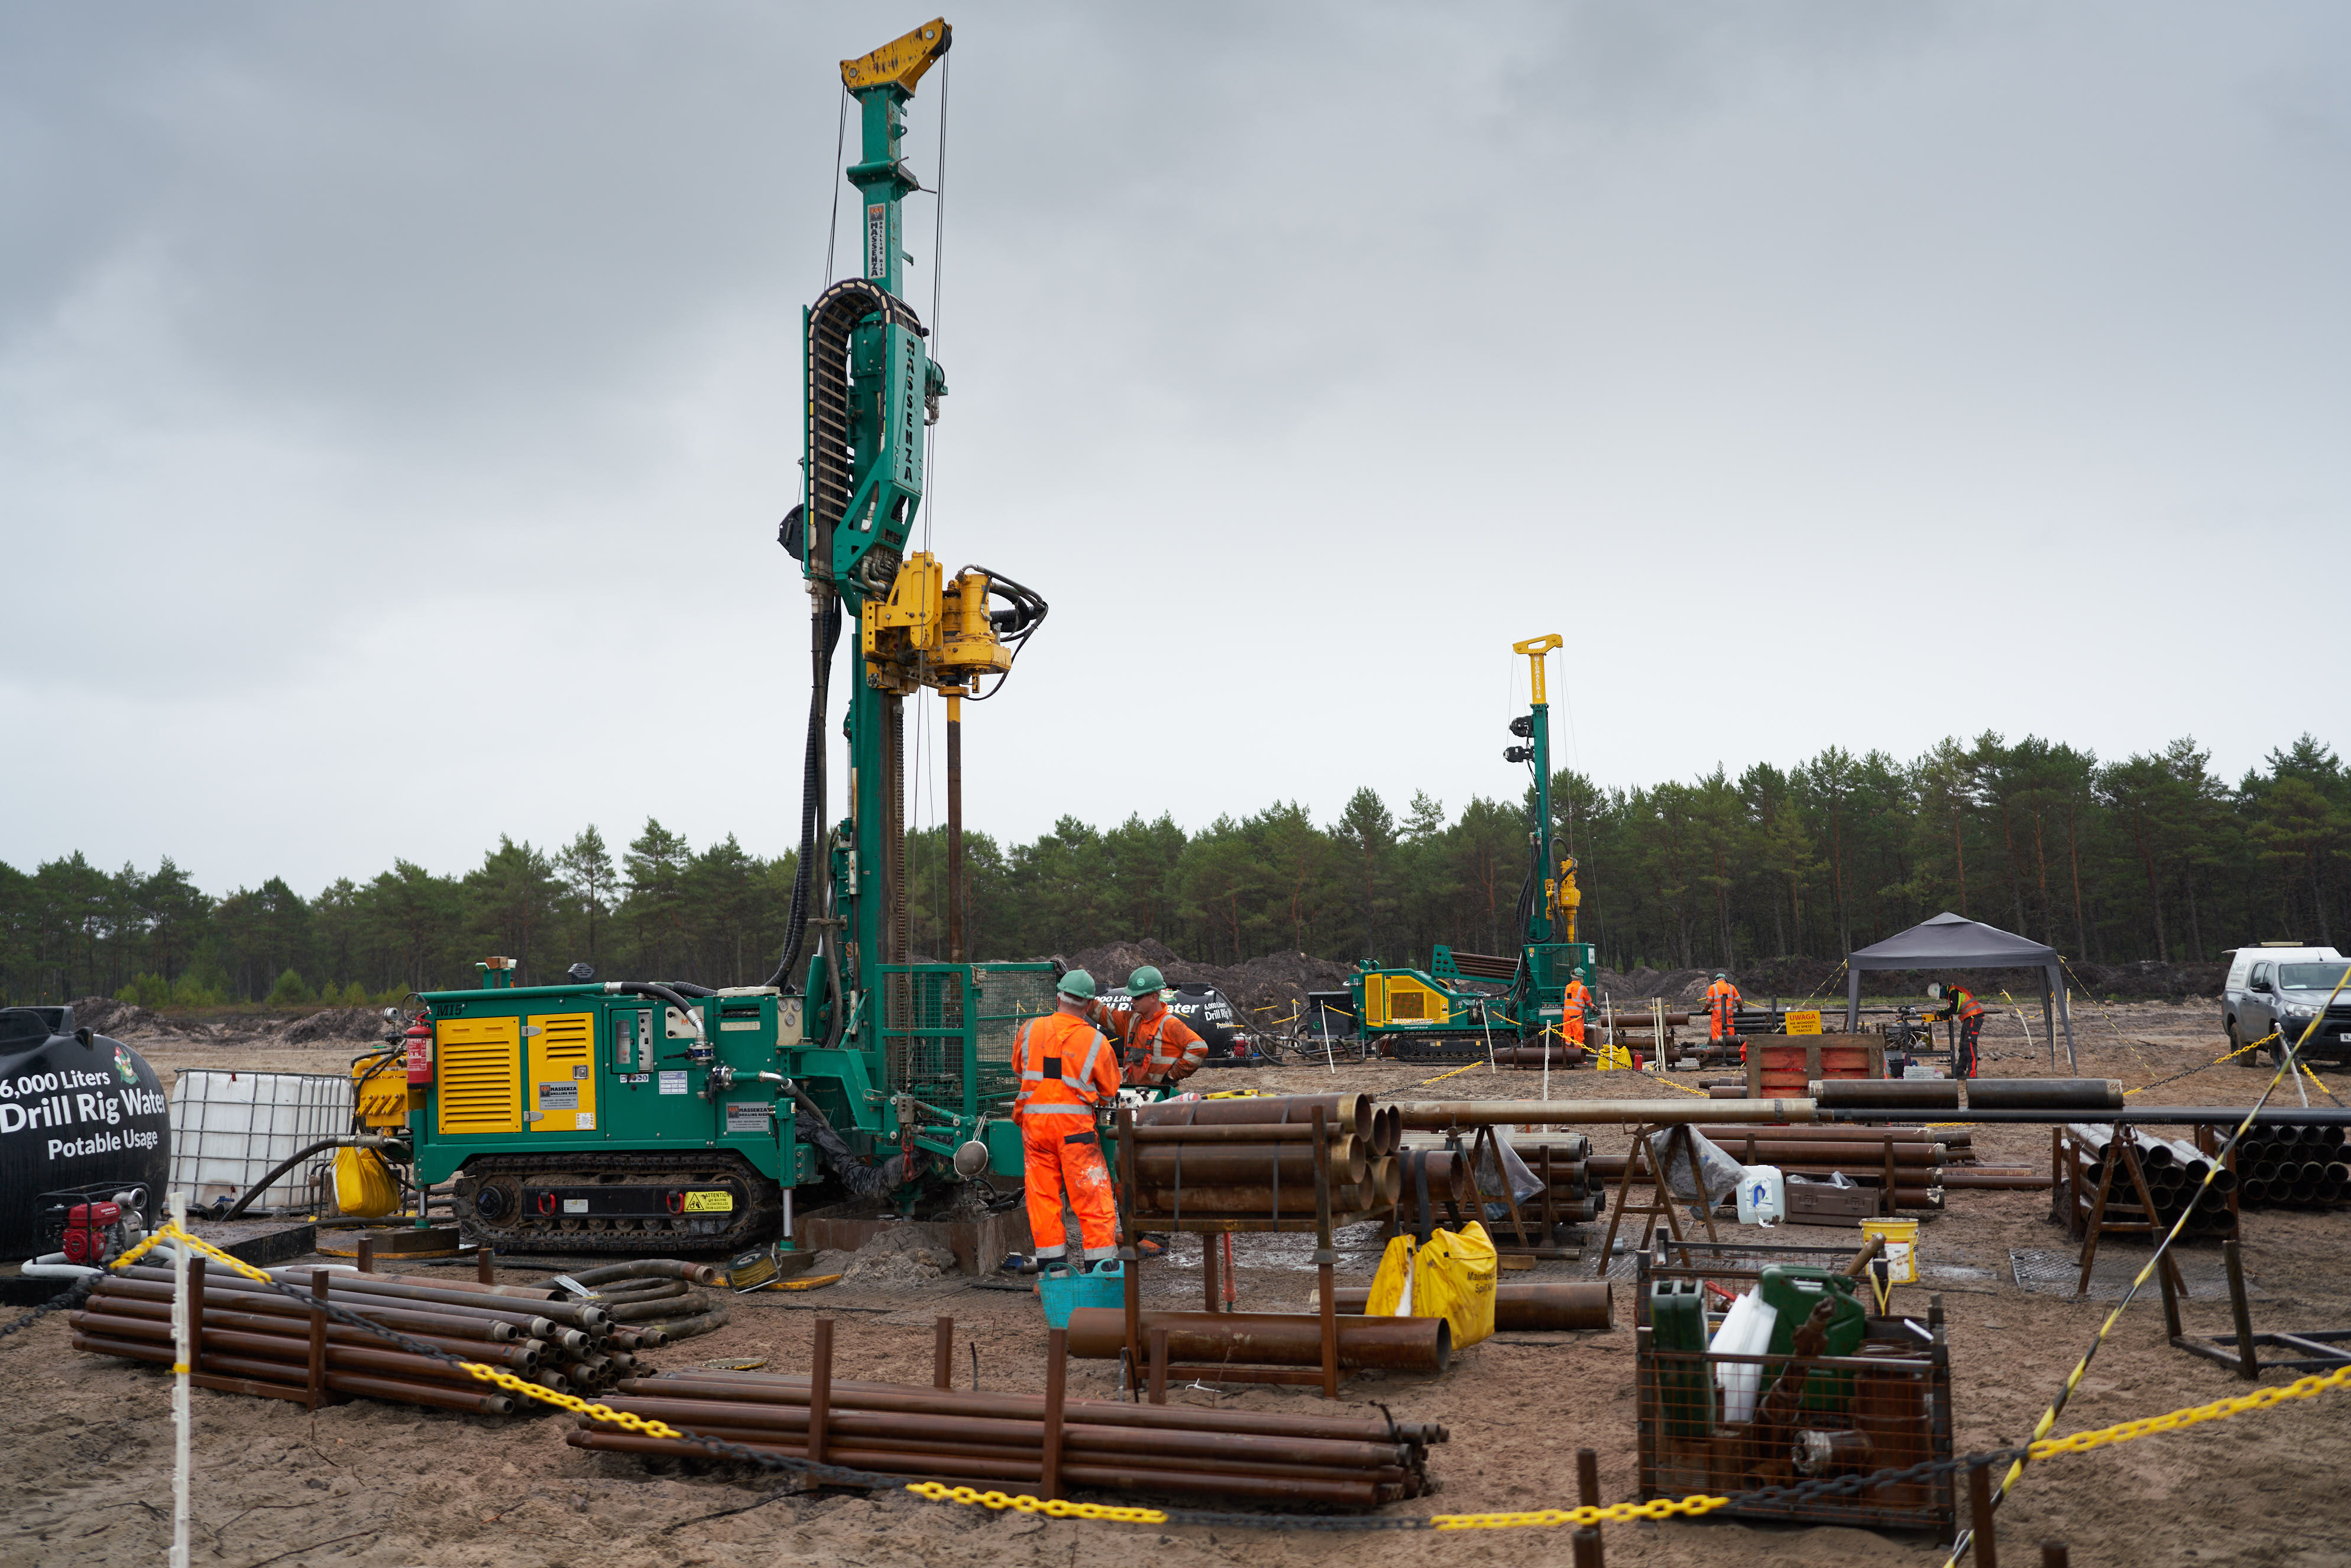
(1901, 1247)
(1065, 1293)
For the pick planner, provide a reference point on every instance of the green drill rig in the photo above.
(1464, 1001)
(627, 1115)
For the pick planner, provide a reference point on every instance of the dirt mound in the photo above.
(123, 1020)
(338, 1023)
(896, 1256)
(1267, 990)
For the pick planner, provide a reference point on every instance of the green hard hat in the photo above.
(1145, 981)
(1078, 984)
(1582, 973)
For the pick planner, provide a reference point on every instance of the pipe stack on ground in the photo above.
(1197, 1339)
(254, 1340)
(1009, 1440)
(1860, 1153)
(2175, 1174)
(1575, 1195)
(1254, 1158)
(2293, 1164)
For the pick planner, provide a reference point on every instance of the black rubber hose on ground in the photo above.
(686, 1328)
(650, 1269)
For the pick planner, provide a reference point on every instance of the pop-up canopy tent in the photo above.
(1954, 942)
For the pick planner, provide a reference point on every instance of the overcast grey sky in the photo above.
(396, 402)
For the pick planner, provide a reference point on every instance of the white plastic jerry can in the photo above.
(1762, 1194)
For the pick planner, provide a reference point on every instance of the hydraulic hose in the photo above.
(824, 631)
(347, 1142)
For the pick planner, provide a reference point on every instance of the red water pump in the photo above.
(93, 1233)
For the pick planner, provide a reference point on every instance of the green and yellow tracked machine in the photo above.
(639, 1115)
(1464, 1003)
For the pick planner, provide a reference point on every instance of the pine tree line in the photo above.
(2152, 857)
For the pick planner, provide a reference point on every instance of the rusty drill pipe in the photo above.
(2045, 1093)
(356, 1291)
(1539, 1056)
(299, 1274)
(1271, 1338)
(291, 1376)
(1892, 1093)
(1105, 1478)
(447, 1325)
(292, 1348)
(1383, 1186)
(873, 1427)
(793, 1390)
(535, 1326)
(1821, 1150)
(1349, 1113)
(1437, 1115)
(1163, 1164)
(521, 1353)
(1951, 1137)
(1968, 1178)
(1532, 1307)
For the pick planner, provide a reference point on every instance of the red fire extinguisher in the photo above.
(420, 1048)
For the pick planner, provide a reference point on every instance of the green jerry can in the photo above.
(1794, 1291)
(1685, 1391)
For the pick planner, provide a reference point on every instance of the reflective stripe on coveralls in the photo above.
(1164, 1053)
(1048, 1087)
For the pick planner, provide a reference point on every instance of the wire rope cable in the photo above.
(833, 225)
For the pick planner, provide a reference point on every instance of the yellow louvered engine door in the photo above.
(562, 1057)
(1375, 1000)
(477, 1076)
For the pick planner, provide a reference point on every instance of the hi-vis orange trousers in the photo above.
(1064, 1152)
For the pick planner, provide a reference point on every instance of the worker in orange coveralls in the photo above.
(1161, 1050)
(1960, 1003)
(1573, 1004)
(1067, 1067)
(1721, 997)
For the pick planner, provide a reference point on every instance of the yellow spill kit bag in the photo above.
(1451, 1278)
(364, 1185)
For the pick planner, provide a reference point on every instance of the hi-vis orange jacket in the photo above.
(1164, 1050)
(1721, 997)
(1066, 1068)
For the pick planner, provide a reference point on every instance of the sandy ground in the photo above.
(87, 1453)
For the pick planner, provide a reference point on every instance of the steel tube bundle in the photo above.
(1046, 1444)
(2293, 1164)
(1535, 1307)
(1270, 1339)
(254, 1339)
(1348, 1112)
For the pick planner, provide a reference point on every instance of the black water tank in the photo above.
(1209, 1014)
(80, 1114)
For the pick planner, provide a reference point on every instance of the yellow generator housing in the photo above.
(1399, 1001)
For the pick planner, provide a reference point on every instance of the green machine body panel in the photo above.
(494, 1090)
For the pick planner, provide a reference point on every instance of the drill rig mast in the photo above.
(642, 1115)
(914, 1053)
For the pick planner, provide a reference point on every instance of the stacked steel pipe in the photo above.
(251, 1339)
(2175, 1173)
(1534, 1306)
(1254, 1158)
(1863, 1154)
(1030, 1442)
(2293, 1164)
(1561, 1162)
